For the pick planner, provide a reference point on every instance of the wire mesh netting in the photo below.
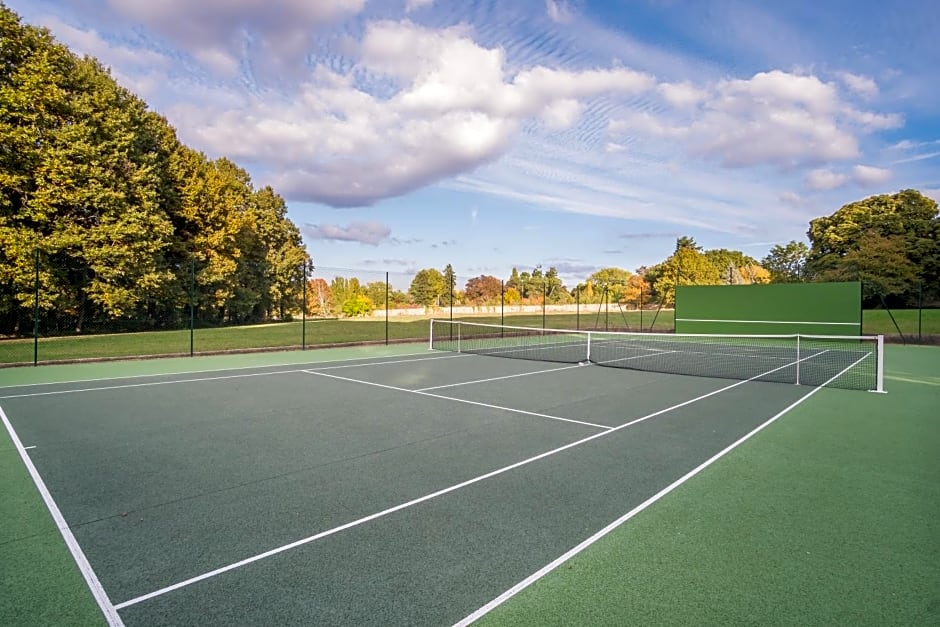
(834, 361)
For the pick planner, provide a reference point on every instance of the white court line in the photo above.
(508, 376)
(461, 400)
(218, 378)
(101, 597)
(422, 499)
(185, 372)
(528, 581)
(29, 448)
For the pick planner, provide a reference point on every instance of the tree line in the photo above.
(110, 218)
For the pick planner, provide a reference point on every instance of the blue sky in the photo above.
(489, 134)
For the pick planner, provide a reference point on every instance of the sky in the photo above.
(578, 134)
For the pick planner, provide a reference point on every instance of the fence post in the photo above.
(387, 305)
(192, 301)
(920, 310)
(303, 311)
(502, 305)
(36, 313)
(577, 308)
(544, 294)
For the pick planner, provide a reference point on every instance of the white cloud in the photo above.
(791, 198)
(862, 85)
(682, 94)
(559, 11)
(822, 179)
(371, 233)
(414, 5)
(453, 110)
(774, 117)
(91, 43)
(869, 175)
(215, 31)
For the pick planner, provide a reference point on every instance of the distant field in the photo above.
(321, 332)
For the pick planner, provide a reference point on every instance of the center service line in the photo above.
(426, 497)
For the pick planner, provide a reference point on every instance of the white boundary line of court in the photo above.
(185, 372)
(304, 369)
(528, 581)
(468, 402)
(91, 579)
(853, 324)
(427, 497)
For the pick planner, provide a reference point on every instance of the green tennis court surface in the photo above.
(382, 487)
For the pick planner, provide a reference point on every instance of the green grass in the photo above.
(830, 516)
(325, 332)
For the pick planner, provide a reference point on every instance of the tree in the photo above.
(426, 287)
(375, 291)
(613, 280)
(357, 305)
(450, 284)
(482, 290)
(555, 291)
(319, 298)
(687, 266)
(889, 228)
(729, 264)
(787, 263)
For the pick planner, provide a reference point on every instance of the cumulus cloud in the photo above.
(215, 31)
(454, 108)
(371, 233)
(822, 179)
(867, 175)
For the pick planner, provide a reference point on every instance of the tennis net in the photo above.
(852, 362)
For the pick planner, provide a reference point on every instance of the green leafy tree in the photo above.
(787, 263)
(908, 221)
(427, 287)
(687, 266)
(357, 305)
(450, 286)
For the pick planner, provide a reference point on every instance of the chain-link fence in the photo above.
(200, 305)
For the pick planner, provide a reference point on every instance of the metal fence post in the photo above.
(36, 313)
(387, 305)
(192, 302)
(303, 311)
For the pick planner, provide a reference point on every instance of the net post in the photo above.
(797, 359)
(588, 357)
(431, 336)
(458, 337)
(880, 374)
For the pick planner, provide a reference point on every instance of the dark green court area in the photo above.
(398, 490)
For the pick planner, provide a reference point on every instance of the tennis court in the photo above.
(404, 489)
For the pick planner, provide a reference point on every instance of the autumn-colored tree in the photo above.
(482, 290)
